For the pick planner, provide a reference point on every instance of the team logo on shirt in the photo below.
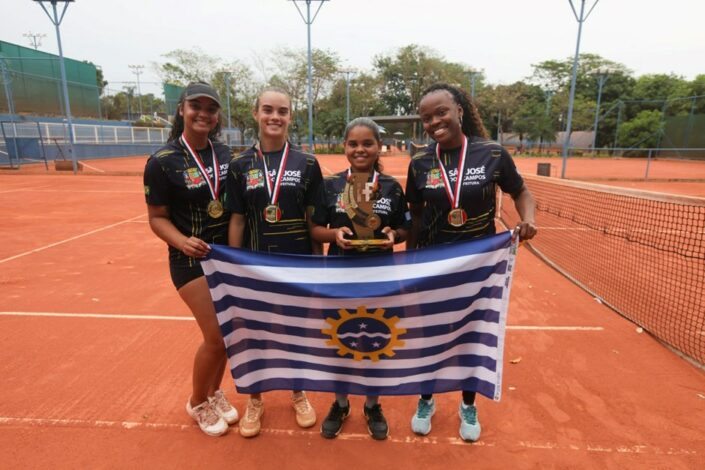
(255, 179)
(434, 179)
(193, 178)
(339, 204)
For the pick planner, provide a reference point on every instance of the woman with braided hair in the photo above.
(451, 189)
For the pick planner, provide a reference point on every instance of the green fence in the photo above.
(171, 97)
(33, 81)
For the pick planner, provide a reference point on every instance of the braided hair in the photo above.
(472, 123)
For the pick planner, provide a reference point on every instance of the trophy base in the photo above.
(364, 245)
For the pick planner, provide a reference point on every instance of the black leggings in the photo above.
(468, 397)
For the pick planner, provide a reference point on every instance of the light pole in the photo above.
(602, 73)
(35, 39)
(581, 18)
(227, 92)
(56, 21)
(309, 21)
(472, 75)
(348, 76)
(137, 70)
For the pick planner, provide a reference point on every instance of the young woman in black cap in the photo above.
(184, 188)
(451, 189)
(271, 193)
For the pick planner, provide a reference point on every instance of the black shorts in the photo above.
(183, 272)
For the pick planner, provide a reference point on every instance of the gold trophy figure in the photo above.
(359, 196)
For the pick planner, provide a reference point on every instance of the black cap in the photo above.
(197, 89)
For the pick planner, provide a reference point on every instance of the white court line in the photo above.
(42, 248)
(92, 167)
(414, 440)
(16, 190)
(184, 318)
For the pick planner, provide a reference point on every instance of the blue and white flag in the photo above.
(414, 322)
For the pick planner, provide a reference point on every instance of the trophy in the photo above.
(359, 195)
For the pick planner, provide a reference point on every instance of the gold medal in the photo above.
(215, 209)
(373, 221)
(272, 213)
(457, 217)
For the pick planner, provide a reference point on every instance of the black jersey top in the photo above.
(248, 195)
(390, 206)
(172, 178)
(487, 165)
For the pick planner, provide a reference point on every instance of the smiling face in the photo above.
(362, 149)
(273, 115)
(441, 115)
(200, 115)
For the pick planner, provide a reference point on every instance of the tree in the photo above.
(642, 131)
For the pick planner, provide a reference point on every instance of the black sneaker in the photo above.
(334, 421)
(376, 422)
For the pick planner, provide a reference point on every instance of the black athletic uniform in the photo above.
(487, 165)
(390, 206)
(172, 179)
(248, 195)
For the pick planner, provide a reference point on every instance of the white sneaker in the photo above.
(222, 406)
(207, 418)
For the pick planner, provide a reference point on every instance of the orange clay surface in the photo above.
(104, 385)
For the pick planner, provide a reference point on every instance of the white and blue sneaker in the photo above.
(469, 424)
(421, 422)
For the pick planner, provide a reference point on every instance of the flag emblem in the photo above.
(362, 334)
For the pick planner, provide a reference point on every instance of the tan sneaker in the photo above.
(222, 406)
(208, 420)
(305, 414)
(250, 423)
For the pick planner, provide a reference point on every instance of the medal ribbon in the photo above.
(453, 198)
(214, 188)
(274, 193)
(375, 176)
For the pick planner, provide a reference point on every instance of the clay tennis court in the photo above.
(97, 351)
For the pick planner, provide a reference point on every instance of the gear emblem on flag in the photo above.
(364, 334)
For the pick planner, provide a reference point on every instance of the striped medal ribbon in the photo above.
(215, 207)
(457, 215)
(272, 213)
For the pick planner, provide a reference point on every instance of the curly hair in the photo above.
(472, 123)
(177, 127)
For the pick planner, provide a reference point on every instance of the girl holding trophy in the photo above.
(360, 210)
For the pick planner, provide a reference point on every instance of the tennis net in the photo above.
(641, 253)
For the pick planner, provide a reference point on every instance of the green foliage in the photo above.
(642, 131)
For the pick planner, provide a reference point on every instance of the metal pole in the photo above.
(648, 164)
(227, 89)
(347, 97)
(581, 18)
(309, 78)
(137, 70)
(616, 129)
(57, 22)
(8, 89)
(601, 79)
(309, 21)
(689, 127)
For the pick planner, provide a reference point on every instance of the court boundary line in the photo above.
(61, 242)
(636, 449)
(116, 316)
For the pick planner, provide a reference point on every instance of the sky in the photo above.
(501, 37)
